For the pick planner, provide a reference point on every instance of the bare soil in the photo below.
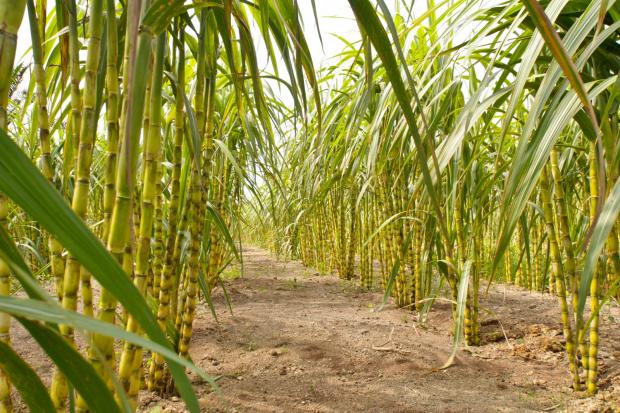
(297, 341)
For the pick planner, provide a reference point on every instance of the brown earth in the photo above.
(298, 341)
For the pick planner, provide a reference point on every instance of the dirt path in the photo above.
(300, 342)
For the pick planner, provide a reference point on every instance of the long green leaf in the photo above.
(553, 41)
(601, 232)
(53, 313)
(460, 313)
(25, 380)
(368, 18)
(78, 371)
(23, 183)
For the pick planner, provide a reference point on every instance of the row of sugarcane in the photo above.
(504, 184)
(148, 135)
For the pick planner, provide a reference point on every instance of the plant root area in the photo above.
(297, 341)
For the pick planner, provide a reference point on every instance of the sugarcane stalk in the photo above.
(350, 255)
(75, 77)
(88, 127)
(209, 46)
(417, 264)
(112, 116)
(569, 264)
(131, 357)
(158, 247)
(477, 270)
(459, 205)
(557, 268)
(45, 160)
(11, 15)
(156, 371)
(189, 307)
(592, 366)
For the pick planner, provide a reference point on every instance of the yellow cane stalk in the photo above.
(11, 14)
(131, 358)
(567, 245)
(592, 354)
(79, 204)
(557, 268)
(156, 371)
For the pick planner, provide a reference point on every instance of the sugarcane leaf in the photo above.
(401, 55)
(11, 257)
(390, 284)
(527, 168)
(601, 232)
(226, 296)
(206, 292)
(26, 381)
(24, 184)
(529, 58)
(382, 226)
(195, 140)
(367, 17)
(54, 314)
(459, 321)
(161, 12)
(76, 369)
(553, 41)
(223, 229)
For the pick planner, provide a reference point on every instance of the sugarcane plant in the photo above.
(456, 170)
(145, 202)
(443, 152)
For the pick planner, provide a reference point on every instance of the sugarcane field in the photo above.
(277, 206)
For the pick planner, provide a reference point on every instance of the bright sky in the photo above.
(335, 18)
